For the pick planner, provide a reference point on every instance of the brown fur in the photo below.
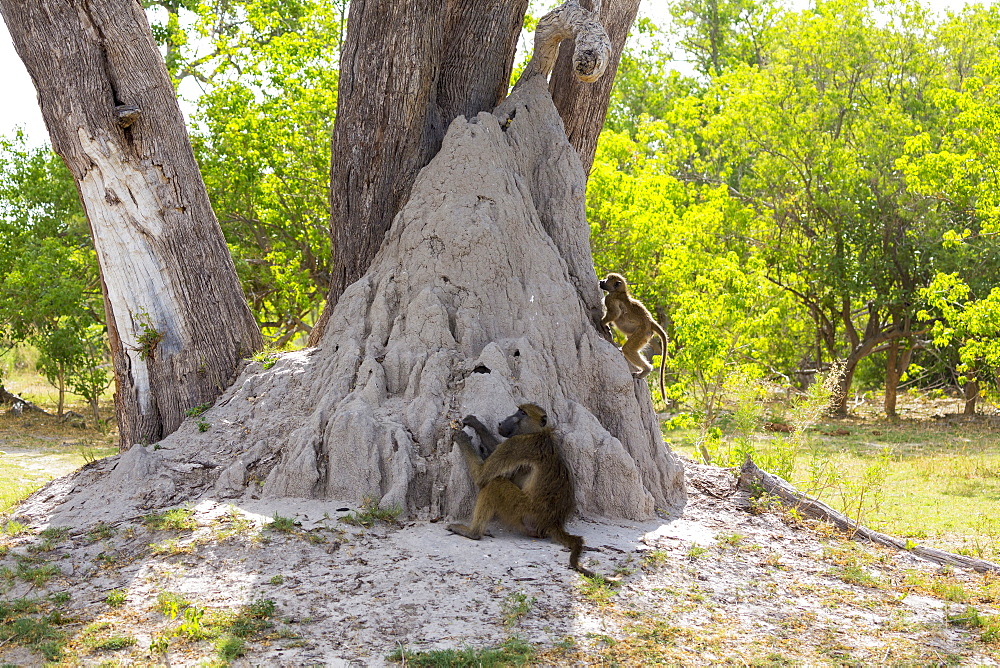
(637, 324)
(524, 481)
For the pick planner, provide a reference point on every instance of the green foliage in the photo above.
(50, 293)
(176, 519)
(25, 622)
(116, 598)
(988, 625)
(371, 513)
(264, 120)
(516, 606)
(513, 652)
(281, 524)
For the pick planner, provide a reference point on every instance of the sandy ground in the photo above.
(715, 585)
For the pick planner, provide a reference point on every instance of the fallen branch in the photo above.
(15, 401)
(754, 480)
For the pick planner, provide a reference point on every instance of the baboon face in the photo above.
(614, 283)
(529, 419)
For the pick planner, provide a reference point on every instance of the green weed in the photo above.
(513, 652)
(516, 606)
(175, 519)
(116, 598)
(370, 514)
(281, 524)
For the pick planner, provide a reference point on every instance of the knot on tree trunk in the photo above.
(570, 21)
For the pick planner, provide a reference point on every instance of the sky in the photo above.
(20, 106)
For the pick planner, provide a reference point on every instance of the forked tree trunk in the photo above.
(178, 323)
(468, 307)
(584, 106)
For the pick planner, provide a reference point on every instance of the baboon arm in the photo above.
(472, 457)
(613, 311)
(486, 437)
(504, 462)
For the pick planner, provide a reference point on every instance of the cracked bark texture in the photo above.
(177, 320)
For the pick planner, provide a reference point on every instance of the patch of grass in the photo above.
(22, 622)
(100, 637)
(281, 524)
(596, 589)
(170, 604)
(116, 598)
(932, 469)
(172, 546)
(195, 411)
(855, 574)
(697, 551)
(370, 514)
(654, 558)
(102, 531)
(14, 528)
(59, 597)
(729, 539)
(229, 648)
(277, 579)
(267, 357)
(36, 575)
(516, 606)
(971, 618)
(175, 519)
(513, 652)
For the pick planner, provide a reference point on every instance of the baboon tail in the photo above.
(663, 359)
(575, 545)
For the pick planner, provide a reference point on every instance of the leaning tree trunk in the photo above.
(468, 307)
(178, 323)
(583, 106)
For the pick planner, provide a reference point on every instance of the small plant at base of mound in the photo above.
(175, 519)
(971, 618)
(267, 357)
(24, 622)
(370, 514)
(282, 524)
(100, 637)
(116, 598)
(513, 652)
(516, 606)
(195, 411)
(596, 589)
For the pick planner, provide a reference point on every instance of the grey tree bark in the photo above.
(470, 305)
(177, 319)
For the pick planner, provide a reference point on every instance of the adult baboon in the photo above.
(540, 506)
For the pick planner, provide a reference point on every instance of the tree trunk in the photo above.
(971, 394)
(178, 323)
(396, 99)
(583, 106)
(897, 362)
(469, 307)
(61, 384)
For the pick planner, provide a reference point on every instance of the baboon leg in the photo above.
(575, 545)
(632, 352)
(500, 497)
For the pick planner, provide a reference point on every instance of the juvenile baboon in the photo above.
(635, 322)
(540, 506)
